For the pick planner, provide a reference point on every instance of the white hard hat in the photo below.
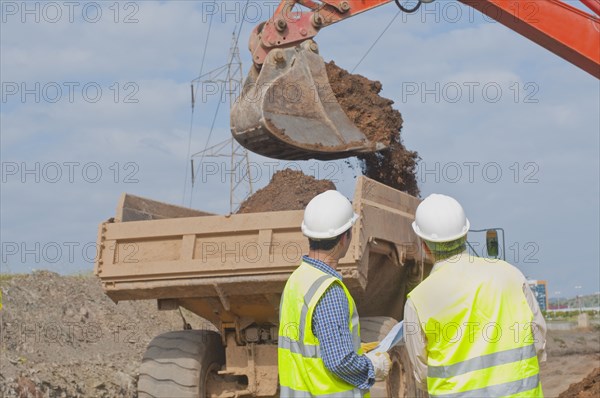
(440, 218)
(328, 215)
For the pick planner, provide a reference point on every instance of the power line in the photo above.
(237, 38)
(212, 126)
(219, 104)
(189, 146)
(376, 40)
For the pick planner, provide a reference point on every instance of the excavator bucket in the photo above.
(289, 111)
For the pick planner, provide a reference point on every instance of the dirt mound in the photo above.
(587, 388)
(375, 117)
(288, 190)
(62, 337)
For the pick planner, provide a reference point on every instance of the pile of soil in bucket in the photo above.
(375, 117)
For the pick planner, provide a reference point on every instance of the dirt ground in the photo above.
(287, 190)
(572, 355)
(587, 388)
(379, 121)
(62, 337)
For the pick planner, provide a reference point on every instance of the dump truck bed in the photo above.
(232, 268)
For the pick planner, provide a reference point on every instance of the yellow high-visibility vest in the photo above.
(302, 372)
(479, 330)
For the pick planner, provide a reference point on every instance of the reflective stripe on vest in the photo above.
(296, 347)
(302, 372)
(482, 362)
(500, 390)
(478, 327)
(288, 392)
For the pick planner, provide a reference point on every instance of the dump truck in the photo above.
(231, 270)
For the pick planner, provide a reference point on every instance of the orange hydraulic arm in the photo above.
(570, 33)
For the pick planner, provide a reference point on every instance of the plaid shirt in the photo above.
(330, 325)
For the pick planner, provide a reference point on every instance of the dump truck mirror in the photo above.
(491, 240)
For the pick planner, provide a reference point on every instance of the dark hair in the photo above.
(326, 244)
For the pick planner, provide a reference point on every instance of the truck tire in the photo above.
(400, 382)
(179, 364)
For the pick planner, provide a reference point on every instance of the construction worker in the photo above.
(472, 327)
(319, 349)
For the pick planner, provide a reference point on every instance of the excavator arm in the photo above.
(287, 109)
(569, 32)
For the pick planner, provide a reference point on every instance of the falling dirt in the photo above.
(587, 388)
(375, 117)
(288, 190)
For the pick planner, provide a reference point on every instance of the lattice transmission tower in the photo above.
(240, 185)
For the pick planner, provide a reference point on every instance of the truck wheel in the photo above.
(400, 382)
(179, 364)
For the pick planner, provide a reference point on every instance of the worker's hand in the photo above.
(381, 364)
(366, 347)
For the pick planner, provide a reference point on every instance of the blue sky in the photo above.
(96, 102)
